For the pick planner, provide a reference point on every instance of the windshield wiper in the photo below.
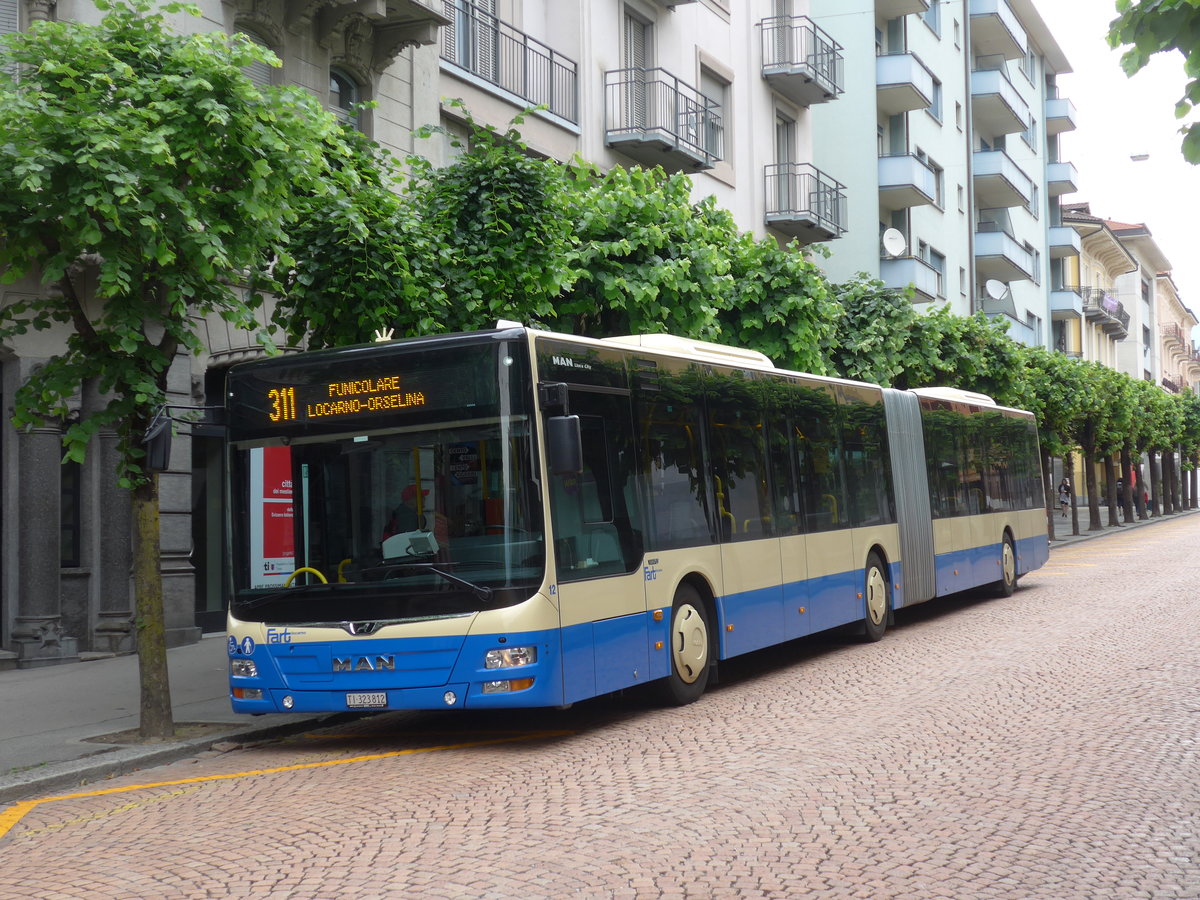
(482, 591)
(281, 594)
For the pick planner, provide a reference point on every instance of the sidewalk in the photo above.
(1062, 527)
(50, 717)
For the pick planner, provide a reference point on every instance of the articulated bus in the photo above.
(516, 518)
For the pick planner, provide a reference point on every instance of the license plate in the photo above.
(366, 701)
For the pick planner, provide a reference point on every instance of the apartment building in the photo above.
(1178, 356)
(955, 142)
(1089, 321)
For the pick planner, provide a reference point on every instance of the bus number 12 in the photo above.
(283, 404)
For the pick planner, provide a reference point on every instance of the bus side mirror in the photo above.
(564, 445)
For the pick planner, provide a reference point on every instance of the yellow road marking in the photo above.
(14, 814)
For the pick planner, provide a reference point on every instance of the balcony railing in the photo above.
(800, 60)
(996, 103)
(653, 117)
(494, 51)
(999, 181)
(1102, 306)
(905, 271)
(906, 180)
(1173, 334)
(902, 83)
(804, 202)
(996, 29)
(1172, 384)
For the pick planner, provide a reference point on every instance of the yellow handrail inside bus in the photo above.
(833, 506)
(291, 577)
(342, 565)
(721, 510)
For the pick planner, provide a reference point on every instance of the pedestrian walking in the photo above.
(1064, 495)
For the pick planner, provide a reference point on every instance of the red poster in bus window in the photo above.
(278, 540)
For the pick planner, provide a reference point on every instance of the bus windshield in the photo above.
(396, 521)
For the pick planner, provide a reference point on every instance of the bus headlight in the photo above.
(507, 657)
(243, 667)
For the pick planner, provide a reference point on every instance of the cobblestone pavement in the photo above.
(1040, 746)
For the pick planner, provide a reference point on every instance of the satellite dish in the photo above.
(995, 289)
(894, 243)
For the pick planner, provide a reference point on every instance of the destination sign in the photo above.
(340, 399)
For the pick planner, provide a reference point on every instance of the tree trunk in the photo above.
(1167, 466)
(1048, 494)
(1185, 498)
(1093, 495)
(1069, 470)
(1195, 480)
(157, 722)
(1155, 484)
(1127, 480)
(1110, 485)
(1139, 495)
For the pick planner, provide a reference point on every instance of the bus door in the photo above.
(833, 572)
(752, 597)
(597, 532)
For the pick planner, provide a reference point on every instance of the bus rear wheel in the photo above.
(877, 599)
(1008, 569)
(690, 636)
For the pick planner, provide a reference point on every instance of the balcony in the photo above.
(1172, 383)
(392, 26)
(803, 202)
(1064, 241)
(996, 30)
(509, 61)
(998, 255)
(1107, 311)
(996, 105)
(1060, 115)
(906, 181)
(894, 9)
(1061, 178)
(1000, 182)
(1173, 336)
(902, 83)
(901, 272)
(657, 120)
(800, 61)
(1066, 303)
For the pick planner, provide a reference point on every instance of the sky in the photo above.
(1119, 117)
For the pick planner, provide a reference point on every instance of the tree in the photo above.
(872, 340)
(363, 262)
(500, 224)
(647, 258)
(1051, 390)
(146, 180)
(1148, 27)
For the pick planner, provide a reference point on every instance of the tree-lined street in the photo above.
(1040, 746)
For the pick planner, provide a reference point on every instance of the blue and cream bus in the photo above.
(515, 518)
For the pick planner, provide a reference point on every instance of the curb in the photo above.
(123, 759)
(1069, 539)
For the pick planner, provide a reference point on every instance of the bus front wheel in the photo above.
(876, 599)
(691, 649)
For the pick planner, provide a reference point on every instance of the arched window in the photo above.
(344, 93)
(258, 72)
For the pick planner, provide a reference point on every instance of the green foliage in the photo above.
(363, 261)
(145, 178)
(872, 341)
(500, 228)
(781, 306)
(647, 259)
(1148, 27)
(1057, 390)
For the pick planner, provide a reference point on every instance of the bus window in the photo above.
(944, 460)
(788, 512)
(597, 521)
(735, 421)
(813, 420)
(867, 461)
(673, 461)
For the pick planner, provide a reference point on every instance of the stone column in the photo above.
(112, 630)
(38, 637)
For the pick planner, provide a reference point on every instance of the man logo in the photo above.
(364, 664)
